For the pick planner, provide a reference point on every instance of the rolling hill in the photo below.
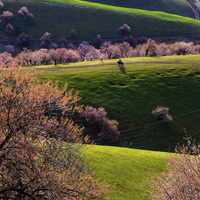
(178, 7)
(172, 81)
(90, 19)
(127, 168)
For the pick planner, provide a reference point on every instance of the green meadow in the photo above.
(129, 169)
(172, 81)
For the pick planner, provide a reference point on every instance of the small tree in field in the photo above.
(161, 113)
(10, 29)
(7, 15)
(73, 33)
(124, 30)
(182, 177)
(35, 163)
(25, 14)
(45, 40)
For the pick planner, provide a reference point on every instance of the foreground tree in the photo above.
(35, 163)
(181, 180)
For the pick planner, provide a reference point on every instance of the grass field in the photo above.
(178, 7)
(172, 81)
(90, 19)
(129, 168)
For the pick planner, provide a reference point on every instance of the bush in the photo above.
(161, 114)
(98, 127)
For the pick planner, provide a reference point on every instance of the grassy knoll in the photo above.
(179, 7)
(128, 167)
(90, 19)
(172, 81)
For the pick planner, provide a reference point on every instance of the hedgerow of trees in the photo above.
(87, 52)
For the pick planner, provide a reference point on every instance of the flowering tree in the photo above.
(7, 15)
(35, 163)
(25, 14)
(9, 49)
(124, 30)
(162, 113)
(45, 40)
(1, 5)
(10, 29)
(6, 58)
(125, 49)
(100, 129)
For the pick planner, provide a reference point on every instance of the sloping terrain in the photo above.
(127, 168)
(172, 81)
(178, 7)
(90, 19)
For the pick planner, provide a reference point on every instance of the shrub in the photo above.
(161, 114)
(181, 179)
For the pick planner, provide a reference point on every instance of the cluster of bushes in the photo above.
(87, 52)
(98, 127)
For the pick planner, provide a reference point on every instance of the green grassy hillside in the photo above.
(90, 19)
(172, 81)
(178, 7)
(130, 168)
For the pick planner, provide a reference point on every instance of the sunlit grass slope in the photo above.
(179, 7)
(90, 19)
(172, 81)
(130, 168)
